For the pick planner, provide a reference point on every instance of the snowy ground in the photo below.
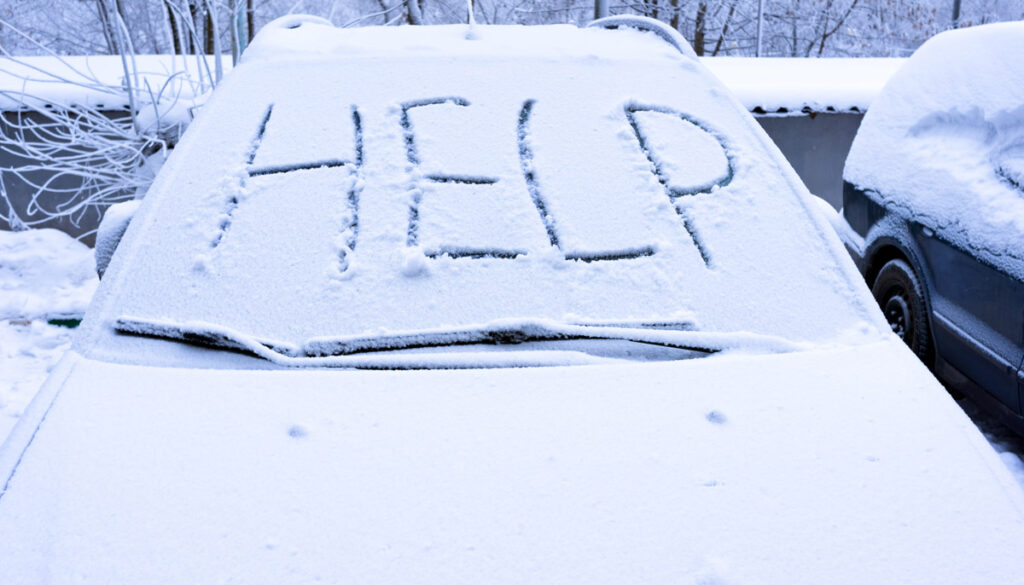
(1008, 444)
(28, 351)
(44, 273)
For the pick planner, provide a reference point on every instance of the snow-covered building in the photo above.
(811, 108)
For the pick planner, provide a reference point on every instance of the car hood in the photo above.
(845, 465)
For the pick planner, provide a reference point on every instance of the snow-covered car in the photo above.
(491, 305)
(934, 210)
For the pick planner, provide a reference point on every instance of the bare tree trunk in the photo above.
(172, 37)
(107, 9)
(208, 29)
(108, 34)
(413, 12)
(250, 19)
(196, 42)
(235, 26)
(384, 10)
(700, 28)
(674, 20)
(760, 27)
(213, 40)
(793, 34)
(725, 28)
(179, 29)
(839, 23)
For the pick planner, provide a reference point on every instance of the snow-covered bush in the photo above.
(76, 158)
(78, 134)
(77, 154)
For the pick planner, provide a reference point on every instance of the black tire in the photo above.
(900, 295)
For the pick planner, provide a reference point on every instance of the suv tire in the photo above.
(899, 293)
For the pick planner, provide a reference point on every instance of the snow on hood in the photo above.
(533, 173)
(944, 143)
(794, 469)
(797, 86)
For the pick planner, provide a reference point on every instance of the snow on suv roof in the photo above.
(349, 183)
(944, 142)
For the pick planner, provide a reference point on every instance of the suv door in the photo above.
(978, 321)
(1020, 378)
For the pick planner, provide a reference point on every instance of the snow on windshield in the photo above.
(341, 197)
(944, 143)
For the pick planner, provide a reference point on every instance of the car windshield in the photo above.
(352, 197)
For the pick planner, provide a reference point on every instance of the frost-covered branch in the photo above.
(76, 141)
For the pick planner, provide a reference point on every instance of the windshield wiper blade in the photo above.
(205, 335)
(289, 355)
(342, 351)
(514, 331)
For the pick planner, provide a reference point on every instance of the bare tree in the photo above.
(715, 27)
(413, 12)
(109, 11)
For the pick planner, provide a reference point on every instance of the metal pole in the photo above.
(760, 22)
(600, 8)
(956, 13)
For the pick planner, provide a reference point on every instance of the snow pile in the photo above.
(422, 181)
(112, 227)
(791, 86)
(1007, 444)
(44, 273)
(944, 143)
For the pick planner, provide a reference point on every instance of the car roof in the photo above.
(416, 179)
(304, 37)
(932, 143)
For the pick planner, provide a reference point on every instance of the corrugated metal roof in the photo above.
(784, 86)
(97, 81)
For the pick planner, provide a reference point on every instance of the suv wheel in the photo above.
(900, 295)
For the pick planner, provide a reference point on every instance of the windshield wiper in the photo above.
(344, 351)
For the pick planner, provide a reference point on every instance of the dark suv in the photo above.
(933, 205)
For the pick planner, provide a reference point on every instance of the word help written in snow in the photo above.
(685, 155)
